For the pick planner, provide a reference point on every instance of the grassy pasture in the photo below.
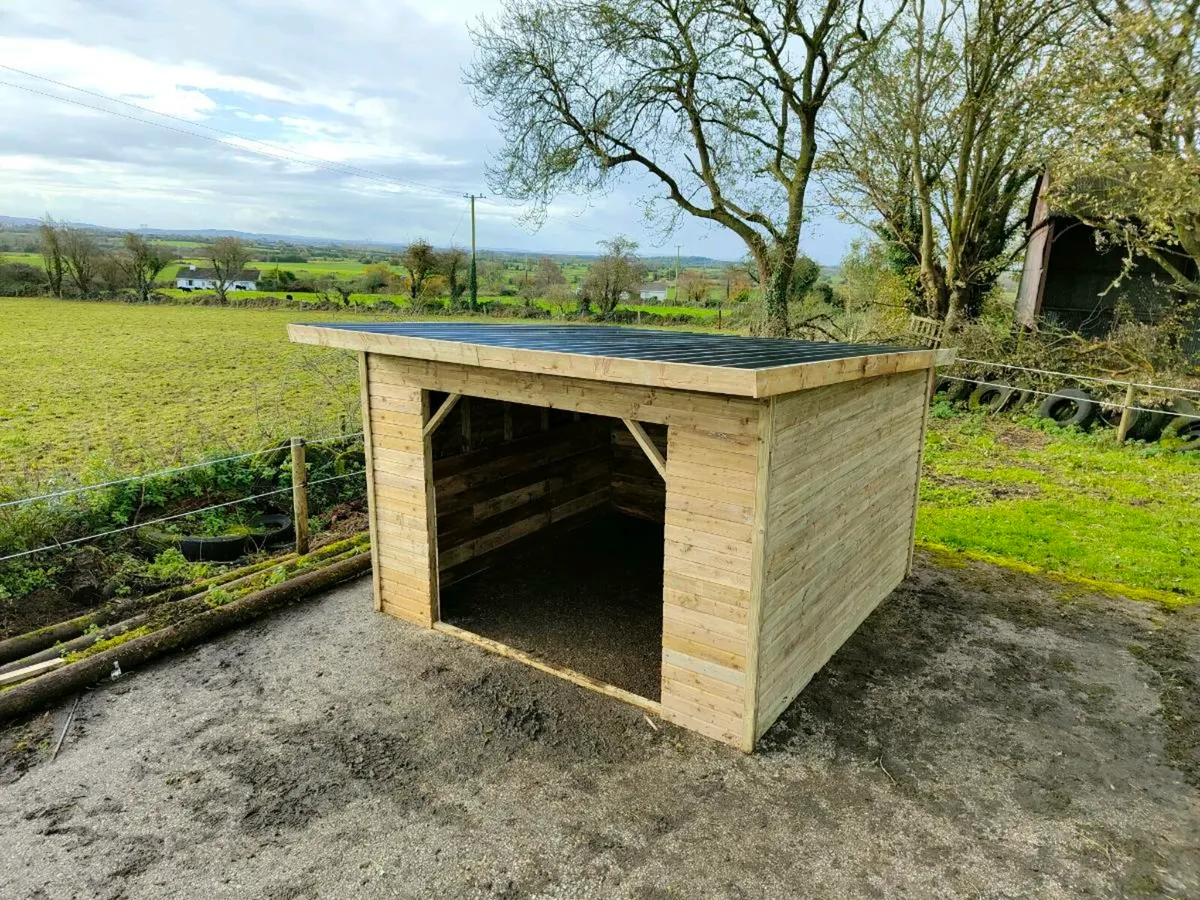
(29, 259)
(1078, 504)
(96, 387)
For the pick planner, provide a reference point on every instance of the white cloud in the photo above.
(361, 83)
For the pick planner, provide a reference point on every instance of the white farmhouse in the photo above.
(654, 292)
(191, 278)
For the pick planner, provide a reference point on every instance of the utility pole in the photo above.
(472, 278)
(677, 246)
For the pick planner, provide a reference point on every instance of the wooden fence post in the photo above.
(1126, 415)
(299, 496)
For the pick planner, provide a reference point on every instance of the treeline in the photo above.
(76, 262)
(927, 123)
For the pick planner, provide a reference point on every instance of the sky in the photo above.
(372, 84)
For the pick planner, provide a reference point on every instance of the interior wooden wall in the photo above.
(515, 486)
(841, 492)
(637, 487)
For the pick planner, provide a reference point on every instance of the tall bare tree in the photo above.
(228, 256)
(82, 256)
(143, 261)
(50, 238)
(941, 135)
(420, 261)
(715, 100)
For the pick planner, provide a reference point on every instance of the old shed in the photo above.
(693, 523)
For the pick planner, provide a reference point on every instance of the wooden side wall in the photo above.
(841, 499)
(637, 488)
(401, 510)
(709, 543)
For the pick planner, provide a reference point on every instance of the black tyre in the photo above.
(951, 390)
(1182, 433)
(1069, 406)
(993, 396)
(1021, 398)
(1148, 425)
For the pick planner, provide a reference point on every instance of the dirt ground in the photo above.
(981, 735)
(589, 599)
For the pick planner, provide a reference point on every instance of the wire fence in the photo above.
(1087, 378)
(58, 545)
(162, 473)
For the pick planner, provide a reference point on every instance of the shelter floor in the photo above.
(588, 598)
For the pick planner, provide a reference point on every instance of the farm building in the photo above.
(1068, 277)
(194, 279)
(691, 523)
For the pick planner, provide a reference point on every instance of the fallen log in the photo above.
(23, 645)
(80, 643)
(73, 676)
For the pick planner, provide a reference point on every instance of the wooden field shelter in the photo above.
(784, 475)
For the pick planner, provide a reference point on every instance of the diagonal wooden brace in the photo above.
(650, 448)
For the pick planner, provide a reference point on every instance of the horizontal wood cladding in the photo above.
(513, 486)
(637, 488)
(401, 514)
(706, 412)
(838, 519)
(707, 580)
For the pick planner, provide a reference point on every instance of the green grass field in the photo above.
(96, 389)
(108, 387)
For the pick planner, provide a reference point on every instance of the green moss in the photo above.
(220, 597)
(109, 643)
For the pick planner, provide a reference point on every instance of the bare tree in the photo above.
(144, 261)
(717, 100)
(50, 235)
(82, 257)
(228, 256)
(940, 137)
(617, 272)
(419, 261)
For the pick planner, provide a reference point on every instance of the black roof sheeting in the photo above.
(689, 347)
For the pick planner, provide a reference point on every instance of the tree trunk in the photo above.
(776, 281)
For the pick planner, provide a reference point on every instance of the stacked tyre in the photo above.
(1177, 426)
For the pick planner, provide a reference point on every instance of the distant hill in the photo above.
(19, 223)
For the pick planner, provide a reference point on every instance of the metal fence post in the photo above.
(299, 496)
(1126, 415)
